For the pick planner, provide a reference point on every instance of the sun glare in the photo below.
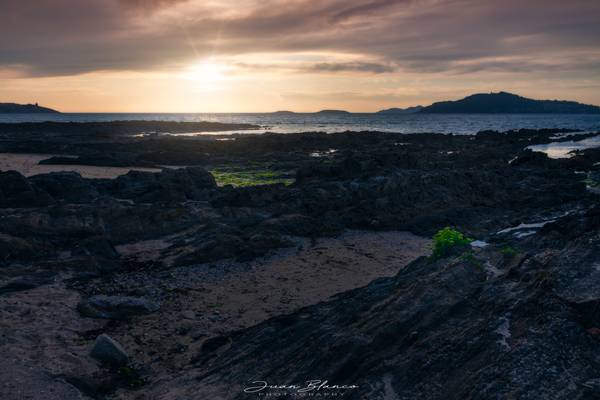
(207, 74)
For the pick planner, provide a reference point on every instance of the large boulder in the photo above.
(67, 186)
(169, 185)
(17, 192)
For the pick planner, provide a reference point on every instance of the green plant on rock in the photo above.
(508, 251)
(253, 176)
(447, 239)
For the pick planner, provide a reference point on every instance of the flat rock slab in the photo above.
(116, 307)
(24, 382)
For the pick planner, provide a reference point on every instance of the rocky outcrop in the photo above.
(17, 192)
(423, 184)
(170, 185)
(68, 187)
(486, 325)
(493, 322)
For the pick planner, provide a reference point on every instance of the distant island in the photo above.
(13, 108)
(409, 110)
(508, 103)
(333, 112)
(480, 103)
(283, 112)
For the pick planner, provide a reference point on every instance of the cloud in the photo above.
(350, 67)
(150, 4)
(63, 37)
(332, 67)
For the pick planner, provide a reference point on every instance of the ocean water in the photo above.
(307, 122)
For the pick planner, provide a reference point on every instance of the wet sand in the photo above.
(27, 164)
(42, 328)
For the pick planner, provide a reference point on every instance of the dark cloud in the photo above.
(150, 4)
(61, 37)
(350, 66)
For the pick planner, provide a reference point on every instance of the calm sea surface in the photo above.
(410, 123)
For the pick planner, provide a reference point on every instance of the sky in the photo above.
(301, 55)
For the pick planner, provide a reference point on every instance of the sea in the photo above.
(319, 122)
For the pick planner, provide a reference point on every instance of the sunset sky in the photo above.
(302, 55)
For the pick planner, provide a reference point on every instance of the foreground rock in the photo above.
(517, 315)
(108, 351)
(19, 381)
(493, 324)
(115, 307)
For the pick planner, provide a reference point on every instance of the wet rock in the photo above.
(15, 248)
(531, 158)
(473, 331)
(69, 187)
(16, 191)
(172, 185)
(115, 307)
(109, 351)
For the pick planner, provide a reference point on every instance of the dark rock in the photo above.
(169, 185)
(531, 158)
(16, 191)
(27, 282)
(109, 351)
(188, 314)
(440, 329)
(12, 247)
(299, 225)
(115, 307)
(98, 246)
(66, 186)
(20, 380)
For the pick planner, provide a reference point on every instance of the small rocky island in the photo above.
(333, 112)
(13, 108)
(209, 263)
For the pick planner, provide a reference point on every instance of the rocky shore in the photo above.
(171, 282)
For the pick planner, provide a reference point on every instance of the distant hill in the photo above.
(283, 112)
(13, 108)
(508, 103)
(409, 110)
(332, 112)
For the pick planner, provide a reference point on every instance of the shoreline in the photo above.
(189, 275)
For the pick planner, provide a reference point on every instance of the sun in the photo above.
(206, 74)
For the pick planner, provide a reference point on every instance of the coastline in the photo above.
(188, 274)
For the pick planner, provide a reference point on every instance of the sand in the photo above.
(217, 298)
(27, 164)
(41, 326)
